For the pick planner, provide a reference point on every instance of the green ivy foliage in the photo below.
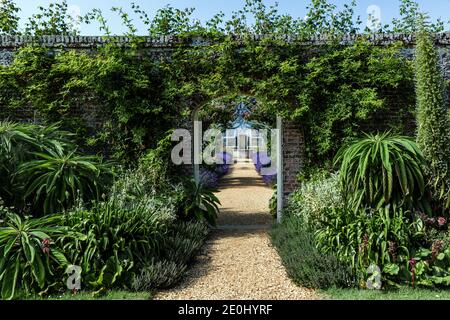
(333, 91)
(9, 19)
(126, 90)
(345, 88)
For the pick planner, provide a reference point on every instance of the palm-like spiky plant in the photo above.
(14, 139)
(202, 204)
(58, 177)
(382, 169)
(29, 258)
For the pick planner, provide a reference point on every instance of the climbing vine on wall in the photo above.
(331, 90)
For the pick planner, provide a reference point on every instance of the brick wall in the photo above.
(293, 155)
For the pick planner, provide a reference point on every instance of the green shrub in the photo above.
(304, 263)
(118, 239)
(363, 238)
(58, 177)
(200, 203)
(433, 135)
(15, 140)
(30, 259)
(381, 169)
(179, 248)
(158, 275)
(345, 87)
(157, 165)
(273, 205)
(314, 196)
(40, 166)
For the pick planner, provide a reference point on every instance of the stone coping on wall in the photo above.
(170, 41)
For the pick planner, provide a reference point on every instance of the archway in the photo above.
(242, 130)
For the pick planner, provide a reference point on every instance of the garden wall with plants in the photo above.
(399, 112)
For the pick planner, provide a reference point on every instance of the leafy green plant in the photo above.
(305, 264)
(433, 135)
(117, 239)
(14, 141)
(53, 20)
(381, 169)
(201, 203)
(431, 267)
(336, 100)
(29, 257)
(381, 237)
(9, 18)
(273, 205)
(322, 191)
(58, 177)
(179, 248)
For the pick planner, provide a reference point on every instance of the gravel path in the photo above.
(238, 262)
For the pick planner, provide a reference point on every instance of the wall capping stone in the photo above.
(170, 41)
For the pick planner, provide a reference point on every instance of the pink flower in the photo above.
(442, 221)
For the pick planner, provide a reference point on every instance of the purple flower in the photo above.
(225, 158)
(260, 160)
(209, 179)
(270, 178)
(222, 169)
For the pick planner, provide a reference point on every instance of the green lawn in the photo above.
(110, 295)
(401, 294)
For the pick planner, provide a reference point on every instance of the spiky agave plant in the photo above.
(29, 257)
(15, 138)
(58, 177)
(381, 169)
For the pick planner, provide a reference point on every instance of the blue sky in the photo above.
(205, 9)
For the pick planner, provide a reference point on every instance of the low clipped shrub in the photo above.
(157, 274)
(222, 169)
(304, 263)
(260, 160)
(225, 158)
(270, 177)
(181, 245)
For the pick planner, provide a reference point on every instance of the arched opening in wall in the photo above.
(238, 151)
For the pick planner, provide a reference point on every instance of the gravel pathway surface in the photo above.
(238, 261)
